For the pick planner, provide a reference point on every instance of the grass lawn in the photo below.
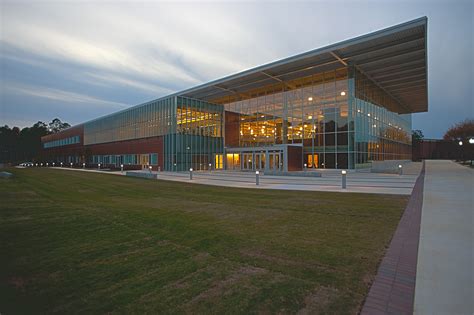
(75, 242)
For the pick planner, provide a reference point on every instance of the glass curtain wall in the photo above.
(311, 111)
(148, 120)
(197, 140)
(381, 134)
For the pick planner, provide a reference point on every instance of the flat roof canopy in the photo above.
(395, 58)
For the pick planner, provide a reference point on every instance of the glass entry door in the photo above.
(274, 161)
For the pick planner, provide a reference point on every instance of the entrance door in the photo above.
(274, 162)
(144, 161)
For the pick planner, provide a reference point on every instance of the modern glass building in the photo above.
(340, 106)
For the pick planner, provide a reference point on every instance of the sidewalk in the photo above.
(444, 276)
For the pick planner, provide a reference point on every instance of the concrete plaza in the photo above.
(330, 180)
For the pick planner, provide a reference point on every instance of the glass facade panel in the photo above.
(380, 133)
(312, 111)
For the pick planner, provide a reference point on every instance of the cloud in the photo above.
(58, 95)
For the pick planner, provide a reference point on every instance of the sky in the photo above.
(78, 60)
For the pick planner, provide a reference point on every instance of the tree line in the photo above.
(20, 145)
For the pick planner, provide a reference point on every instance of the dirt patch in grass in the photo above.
(317, 300)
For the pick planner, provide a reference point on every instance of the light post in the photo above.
(400, 169)
(257, 178)
(191, 173)
(121, 168)
(98, 165)
(344, 182)
(83, 166)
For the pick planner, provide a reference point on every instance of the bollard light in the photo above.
(121, 168)
(84, 165)
(471, 141)
(150, 167)
(36, 164)
(46, 164)
(53, 164)
(71, 165)
(305, 165)
(41, 164)
(159, 168)
(344, 183)
(400, 169)
(257, 178)
(61, 164)
(191, 173)
(98, 166)
(210, 166)
(460, 142)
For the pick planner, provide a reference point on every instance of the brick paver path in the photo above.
(393, 289)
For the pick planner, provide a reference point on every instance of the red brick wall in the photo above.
(136, 146)
(295, 162)
(232, 129)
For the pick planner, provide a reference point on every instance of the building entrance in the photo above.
(253, 161)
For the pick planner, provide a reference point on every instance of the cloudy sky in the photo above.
(80, 60)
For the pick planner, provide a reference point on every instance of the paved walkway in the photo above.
(393, 289)
(360, 182)
(444, 281)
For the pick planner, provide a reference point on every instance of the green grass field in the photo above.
(75, 242)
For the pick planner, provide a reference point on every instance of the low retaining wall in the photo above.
(297, 174)
(390, 166)
(142, 175)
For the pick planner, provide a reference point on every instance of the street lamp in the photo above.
(344, 174)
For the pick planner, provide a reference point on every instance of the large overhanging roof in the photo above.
(394, 58)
